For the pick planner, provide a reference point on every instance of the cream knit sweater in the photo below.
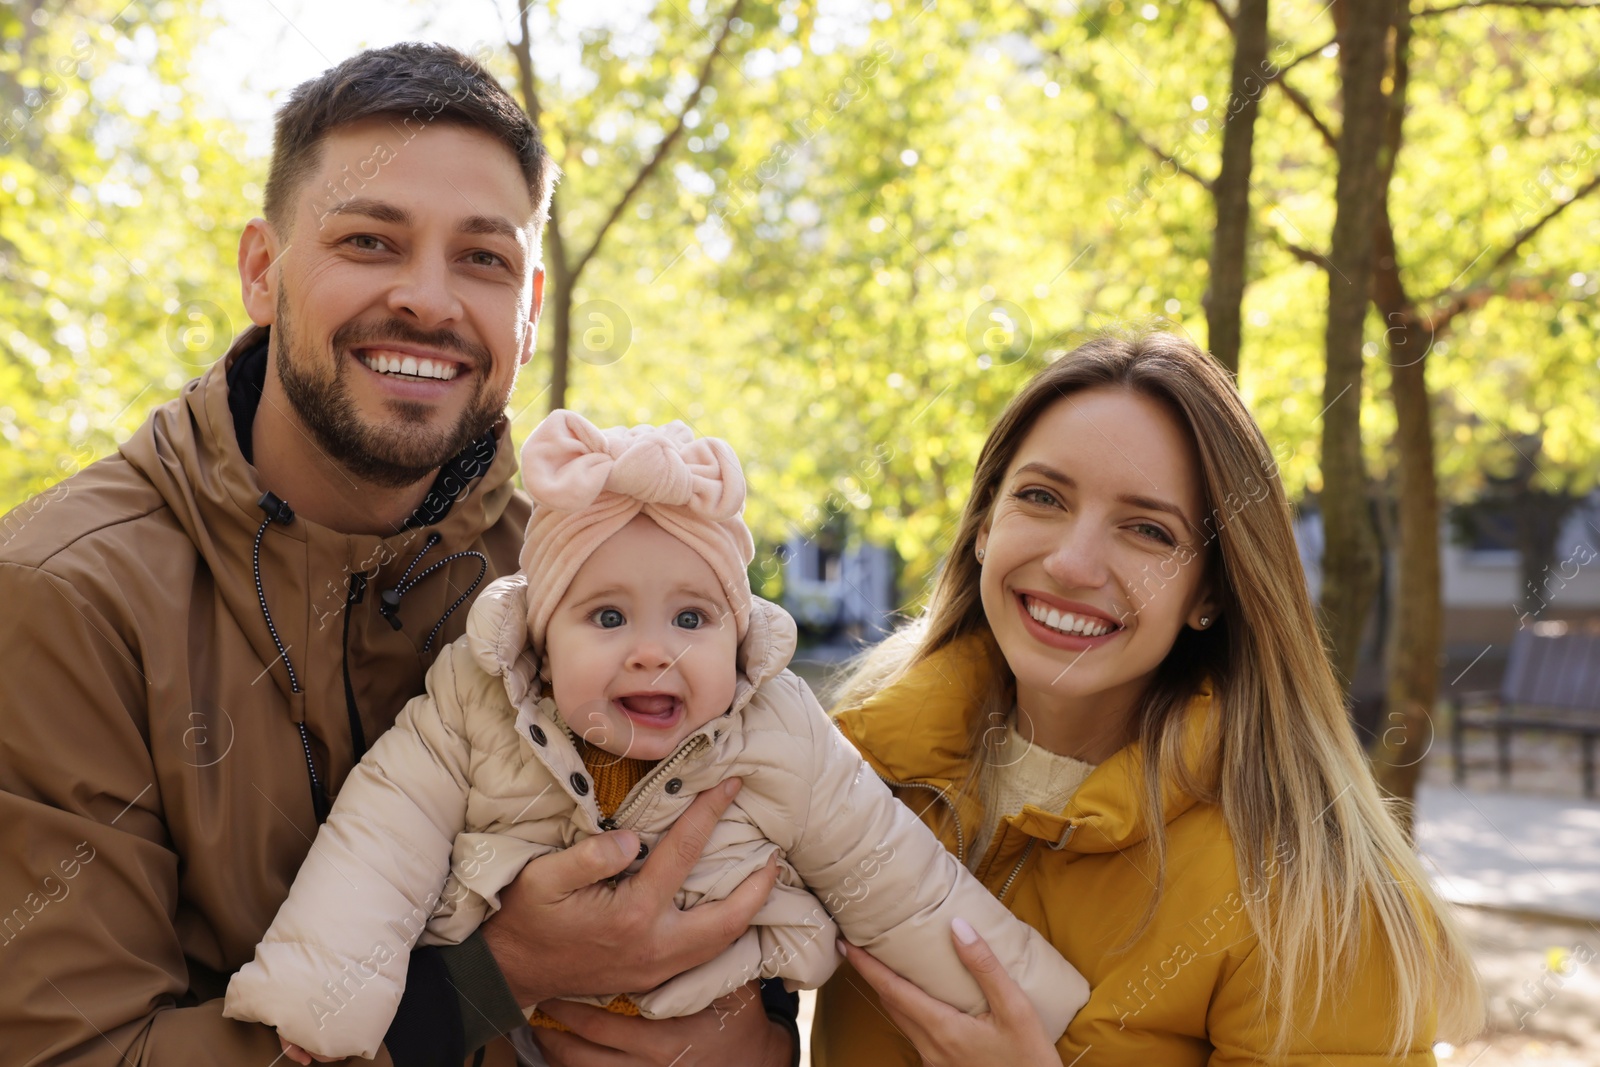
(1024, 773)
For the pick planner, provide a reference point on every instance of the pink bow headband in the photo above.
(587, 484)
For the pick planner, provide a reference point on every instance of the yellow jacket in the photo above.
(1188, 990)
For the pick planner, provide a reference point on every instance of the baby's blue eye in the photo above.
(609, 618)
(688, 620)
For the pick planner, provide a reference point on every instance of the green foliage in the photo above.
(120, 210)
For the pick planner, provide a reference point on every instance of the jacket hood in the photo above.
(497, 633)
(917, 730)
(188, 451)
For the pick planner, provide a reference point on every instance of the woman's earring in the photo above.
(980, 555)
(1205, 620)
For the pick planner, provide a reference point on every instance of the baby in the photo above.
(624, 669)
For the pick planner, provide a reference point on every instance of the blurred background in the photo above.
(840, 234)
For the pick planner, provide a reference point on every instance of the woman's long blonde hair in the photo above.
(1295, 790)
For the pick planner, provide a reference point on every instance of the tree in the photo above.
(1413, 330)
(567, 256)
(107, 305)
(1416, 328)
(1231, 190)
(1350, 563)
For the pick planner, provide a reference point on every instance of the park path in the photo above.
(1534, 854)
(1528, 869)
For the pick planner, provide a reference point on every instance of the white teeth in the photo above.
(1068, 623)
(411, 366)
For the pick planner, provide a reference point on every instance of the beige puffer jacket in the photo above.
(479, 775)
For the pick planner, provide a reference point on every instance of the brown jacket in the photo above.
(155, 798)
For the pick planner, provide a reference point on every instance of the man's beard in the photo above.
(397, 453)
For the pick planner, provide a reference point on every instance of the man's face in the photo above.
(407, 295)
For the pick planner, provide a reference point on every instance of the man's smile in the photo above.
(388, 361)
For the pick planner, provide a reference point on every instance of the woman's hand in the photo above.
(1009, 1034)
(733, 1031)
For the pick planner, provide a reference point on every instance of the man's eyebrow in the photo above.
(372, 209)
(490, 226)
(383, 211)
(1150, 503)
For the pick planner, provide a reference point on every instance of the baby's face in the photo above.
(642, 647)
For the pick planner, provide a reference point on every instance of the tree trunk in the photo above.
(560, 343)
(1407, 729)
(1231, 190)
(1416, 617)
(1350, 566)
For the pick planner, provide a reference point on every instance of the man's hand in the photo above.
(734, 1030)
(562, 932)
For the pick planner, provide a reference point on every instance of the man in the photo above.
(205, 631)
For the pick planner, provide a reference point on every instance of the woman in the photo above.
(1116, 709)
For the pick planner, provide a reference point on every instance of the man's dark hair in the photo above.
(415, 84)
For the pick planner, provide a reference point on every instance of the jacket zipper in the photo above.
(955, 816)
(1026, 852)
(358, 736)
(665, 767)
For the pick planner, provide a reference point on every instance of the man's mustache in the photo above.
(353, 335)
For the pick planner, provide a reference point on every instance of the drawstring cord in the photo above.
(277, 510)
(389, 600)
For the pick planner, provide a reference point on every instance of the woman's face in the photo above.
(1094, 553)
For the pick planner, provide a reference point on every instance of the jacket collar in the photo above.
(917, 730)
(188, 450)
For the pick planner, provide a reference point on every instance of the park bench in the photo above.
(1551, 685)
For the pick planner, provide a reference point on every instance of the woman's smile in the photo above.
(1076, 631)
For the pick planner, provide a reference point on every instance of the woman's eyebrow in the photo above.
(1149, 503)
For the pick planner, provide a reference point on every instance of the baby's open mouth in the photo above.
(656, 707)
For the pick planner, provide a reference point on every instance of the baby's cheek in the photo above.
(720, 695)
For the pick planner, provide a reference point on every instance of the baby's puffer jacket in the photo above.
(479, 775)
